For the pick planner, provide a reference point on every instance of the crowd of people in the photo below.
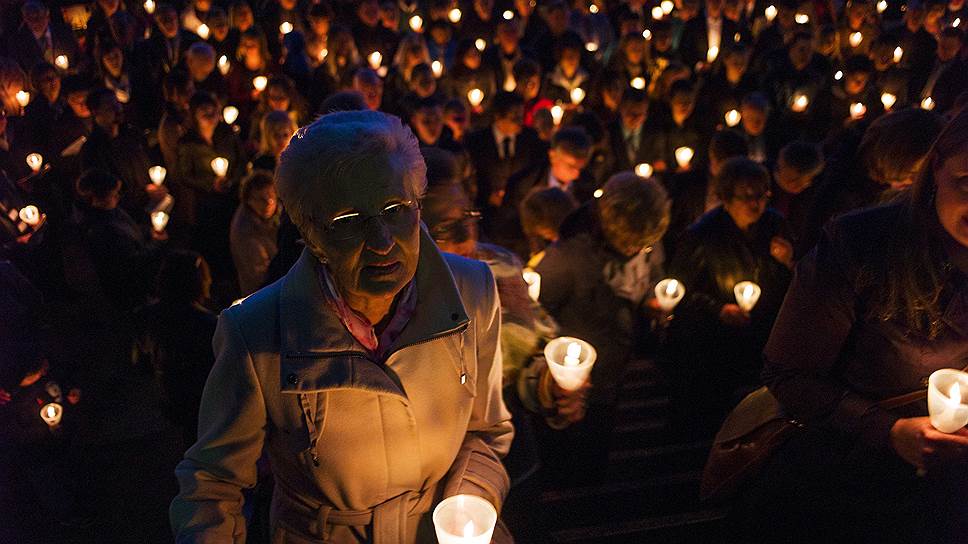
(604, 145)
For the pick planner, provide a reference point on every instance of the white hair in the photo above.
(319, 154)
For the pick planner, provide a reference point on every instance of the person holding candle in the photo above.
(876, 308)
(714, 343)
(371, 372)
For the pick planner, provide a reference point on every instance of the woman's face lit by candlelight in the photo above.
(951, 199)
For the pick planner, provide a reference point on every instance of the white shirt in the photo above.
(499, 141)
(554, 182)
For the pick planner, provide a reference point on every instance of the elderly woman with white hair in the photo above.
(371, 373)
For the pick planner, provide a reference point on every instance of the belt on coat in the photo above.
(388, 520)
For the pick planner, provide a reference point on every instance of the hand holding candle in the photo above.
(668, 293)
(947, 392)
(35, 161)
(51, 413)
(747, 295)
(30, 215)
(464, 519)
(220, 165)
(570, 361)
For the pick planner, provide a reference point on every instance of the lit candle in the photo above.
(801, 18)
(643, 170)
(220, 165)
(454, 15)
(881, 6)
(888, 100)
(598, 193)
(260, 82)
(510, 83)
(711, 54)
(475, 97)
(577, 95)
(203, 31)
(838, 75)
(668, 293)
(570, 361)
(733, 117)
(855, 38)
(747, 294)
(637, 83)
(23, 98)
(35, 161)
(480, 44)
(61, 62)
(799, 103)
(593, 9)
(508, 15)
(927, 104)
(464, 519)
(122, 96)
(224, 65)
(898, 54)
(322, 54)
(375, 59)
(230, 114)
(157, 174)
(437, 68)
(30, 214)
(533, 279)
(657, 13)
(416, 23)
(591, 47)
(647, 34)
(667, 6)
(51, 414)
(149, 6)
(957, 22)
(159, 220)
(770, 13)
(557, 113)
(684, 156)
(946, 400)
(857, 110)
(285, 28)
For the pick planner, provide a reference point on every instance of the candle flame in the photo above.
(454, 15)
(577, 95)
(573, 354)
(838, 75)
(230, 114)
(62, 62)
(149, 6)
(598, 193)
(857, 110)
(591, 47)
(35, 161)
(657, 13)
(23, 98)
(224, 65)
(260, 82)
(375, 59)
(954, 394)
(475, 97)
(637, 83)
(643, 170)
(770, 13)
(285, 28)
(888, 100)
(672, 287)
(157, 174)
(800, 103)
(220, 165)
(416, 23)
(469, 529)
(748, 292)
(480, 44)
(51, 412)
(203, 31)
(556, 114)
(684, 156)
(159, 220)
(711, 54)
(882, 6)
(855, 39)
(508, 15)
(30, 215)
(647, 34)
(802, 18)
(927, 104)
(733, 117)
(898, 54)
(667, 6)
(437, 68)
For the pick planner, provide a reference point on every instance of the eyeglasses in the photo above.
(455, 230)
(398, 217)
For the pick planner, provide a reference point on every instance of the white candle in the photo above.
(159, 220)
(203, 31)
(591, 47)
(375, 59)
(437, 67)
(220, 165)
(416, 23)
(857, 110)
(30, 214)
(260, 82)
(157, 174)
(657, 13)
(733, 117)
(577, 95)
(149, 6)
(61, 62)
(801, 18)
(747, 294)
(838, 75)
(475, 97)
(510, 83)
(667, 6)
(570, 361)
(684, 156)
(927, 104)
(888, 100)
(480, 44)
(322, 54)
(35, 161)
(51, 414)
(285, 28)
(464, 519)
(230, 114)
(598, 193)
(770, 13)
(668, 293)
(533, 279)
(593, 8)
(957, 22)
(711, 54)
(556, 114)
(799, 103)
(881, 6)
(647, 34)
(508, 15)
(855, 38)
(23, 98)
(224, 65)
(637, 82)
(643, 170)
(898, 54)
(454, 15)
(946, 399)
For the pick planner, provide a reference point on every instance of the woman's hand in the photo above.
(923, 446)
(570, 404)
(734, 316)
(221, 184)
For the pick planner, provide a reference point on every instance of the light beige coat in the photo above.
(359, 451)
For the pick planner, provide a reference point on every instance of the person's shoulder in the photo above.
(869, 224)
(466, 270)
(252, 313)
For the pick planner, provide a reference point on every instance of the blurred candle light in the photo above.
(881, 6)
(637, 82)
(799, 103)
(122, 96)
(591, 47)
(647, 34)
(855, 38)
(857, 110)
(508, 15)
(657, 13)
(375, 59)
(322, 54)
(149, 6)
(598, 193)
(61, 62)
(957, 22)
(838, 75)
(51, 414)
(157, 174)
(464, 519)
(203, 31)
(668, 293)
(475, 97)
(801, 18)
(480, 44)
(770, 13)
(159, 220)
(285, 28)
(733, 117)
(23, 98)
(30, 214)
(533, 279)
(577, 95)
(437, 68)
(747, 294)
(557, 113)
(888, 100)
(35, 161)
(927, 103)
(224, 65)
(510, 83)
(220, 165)
(416, 23)
(667, 6)
(593, 9)
(711, 54)
(260, 82)
(898, 54)
(643, 170)
(684, 156)
(454, 15)
(230, 114)
(570, 361)
(946, 400)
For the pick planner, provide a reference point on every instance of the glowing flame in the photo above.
(220, 165)
(480, 44)
(469, 530)
(285, 28)
(598, 193)
(637, 83)
(159, 220)
(882, 6)
(35, 161)
(62, 62)
(770, 13)
(260, 82)
(643, 170)
(30, 215)
(437, 68)
(577, 95)
(711, 54)
(591, 47)
(954, 394)
(230, 114)
(508, 15)
(51, 412)
(375, 59)
(454, 15)
(657, 13)
(573, 354)
(855, 38)
(672, 287)
(556, 114)
(838, 75)
(684, 156)
(149, 6)
(733, 117)
(857, 110)
(224, 65)
(667, 6)
(801, 18)
(898, 54)
(927, 104)
(475, 97)
(800, 103)
(888, 100)
(23, 98)
(157, 174)
(203, 31)
(416, 23)
(647, 34)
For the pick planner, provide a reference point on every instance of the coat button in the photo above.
(292, 379)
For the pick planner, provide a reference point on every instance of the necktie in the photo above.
(506, 145)
(631, 149)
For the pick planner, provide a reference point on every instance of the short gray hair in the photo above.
(320, 153)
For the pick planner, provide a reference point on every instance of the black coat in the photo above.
(493, 171)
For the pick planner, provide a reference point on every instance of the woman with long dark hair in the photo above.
(880, 304)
